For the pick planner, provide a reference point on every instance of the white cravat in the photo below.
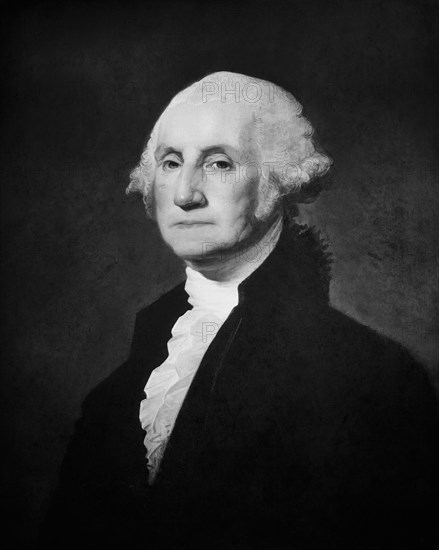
(212, 301)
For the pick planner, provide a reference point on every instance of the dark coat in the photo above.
(301, 429)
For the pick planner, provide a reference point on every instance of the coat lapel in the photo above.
(186, 436)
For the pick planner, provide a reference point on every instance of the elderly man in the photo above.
(267, 419)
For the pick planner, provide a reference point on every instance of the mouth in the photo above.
(192, 224)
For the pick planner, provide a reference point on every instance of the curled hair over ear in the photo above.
(297, 168)
(142, 177)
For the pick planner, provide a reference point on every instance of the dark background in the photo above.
(83, 84)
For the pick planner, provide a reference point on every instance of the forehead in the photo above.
(206, 125)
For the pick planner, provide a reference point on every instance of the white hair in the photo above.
(283, 135)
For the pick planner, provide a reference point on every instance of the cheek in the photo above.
(161, 194)
(245, 197)
(159, 202)
(238, 208)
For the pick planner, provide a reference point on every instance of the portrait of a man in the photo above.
(220, 245)
(269, 419)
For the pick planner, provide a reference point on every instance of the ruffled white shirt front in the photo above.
(212, 302)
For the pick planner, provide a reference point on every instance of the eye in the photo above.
(220, 166)
(223, 165)
(170, 165)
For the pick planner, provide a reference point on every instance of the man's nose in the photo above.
(188, 192)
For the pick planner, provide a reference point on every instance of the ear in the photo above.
(269, 198)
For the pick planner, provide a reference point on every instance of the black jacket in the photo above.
(301, 429)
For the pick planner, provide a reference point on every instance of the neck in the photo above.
(237, 265)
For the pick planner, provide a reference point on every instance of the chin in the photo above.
(190, 243)
(194, 251)
(207, 244)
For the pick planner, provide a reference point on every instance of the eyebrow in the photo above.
(163, 150)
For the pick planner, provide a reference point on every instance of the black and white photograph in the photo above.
(220, 279)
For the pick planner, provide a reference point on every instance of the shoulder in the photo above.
(373, 366)
(325, 330)
(166, 301)
(360, 343)
(151, 328)
(340, 353)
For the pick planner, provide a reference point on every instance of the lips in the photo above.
(187, 223)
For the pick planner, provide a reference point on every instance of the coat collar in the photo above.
(298, 269)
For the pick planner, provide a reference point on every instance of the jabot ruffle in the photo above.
(168, 384)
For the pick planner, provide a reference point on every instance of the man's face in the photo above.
(204, 204)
